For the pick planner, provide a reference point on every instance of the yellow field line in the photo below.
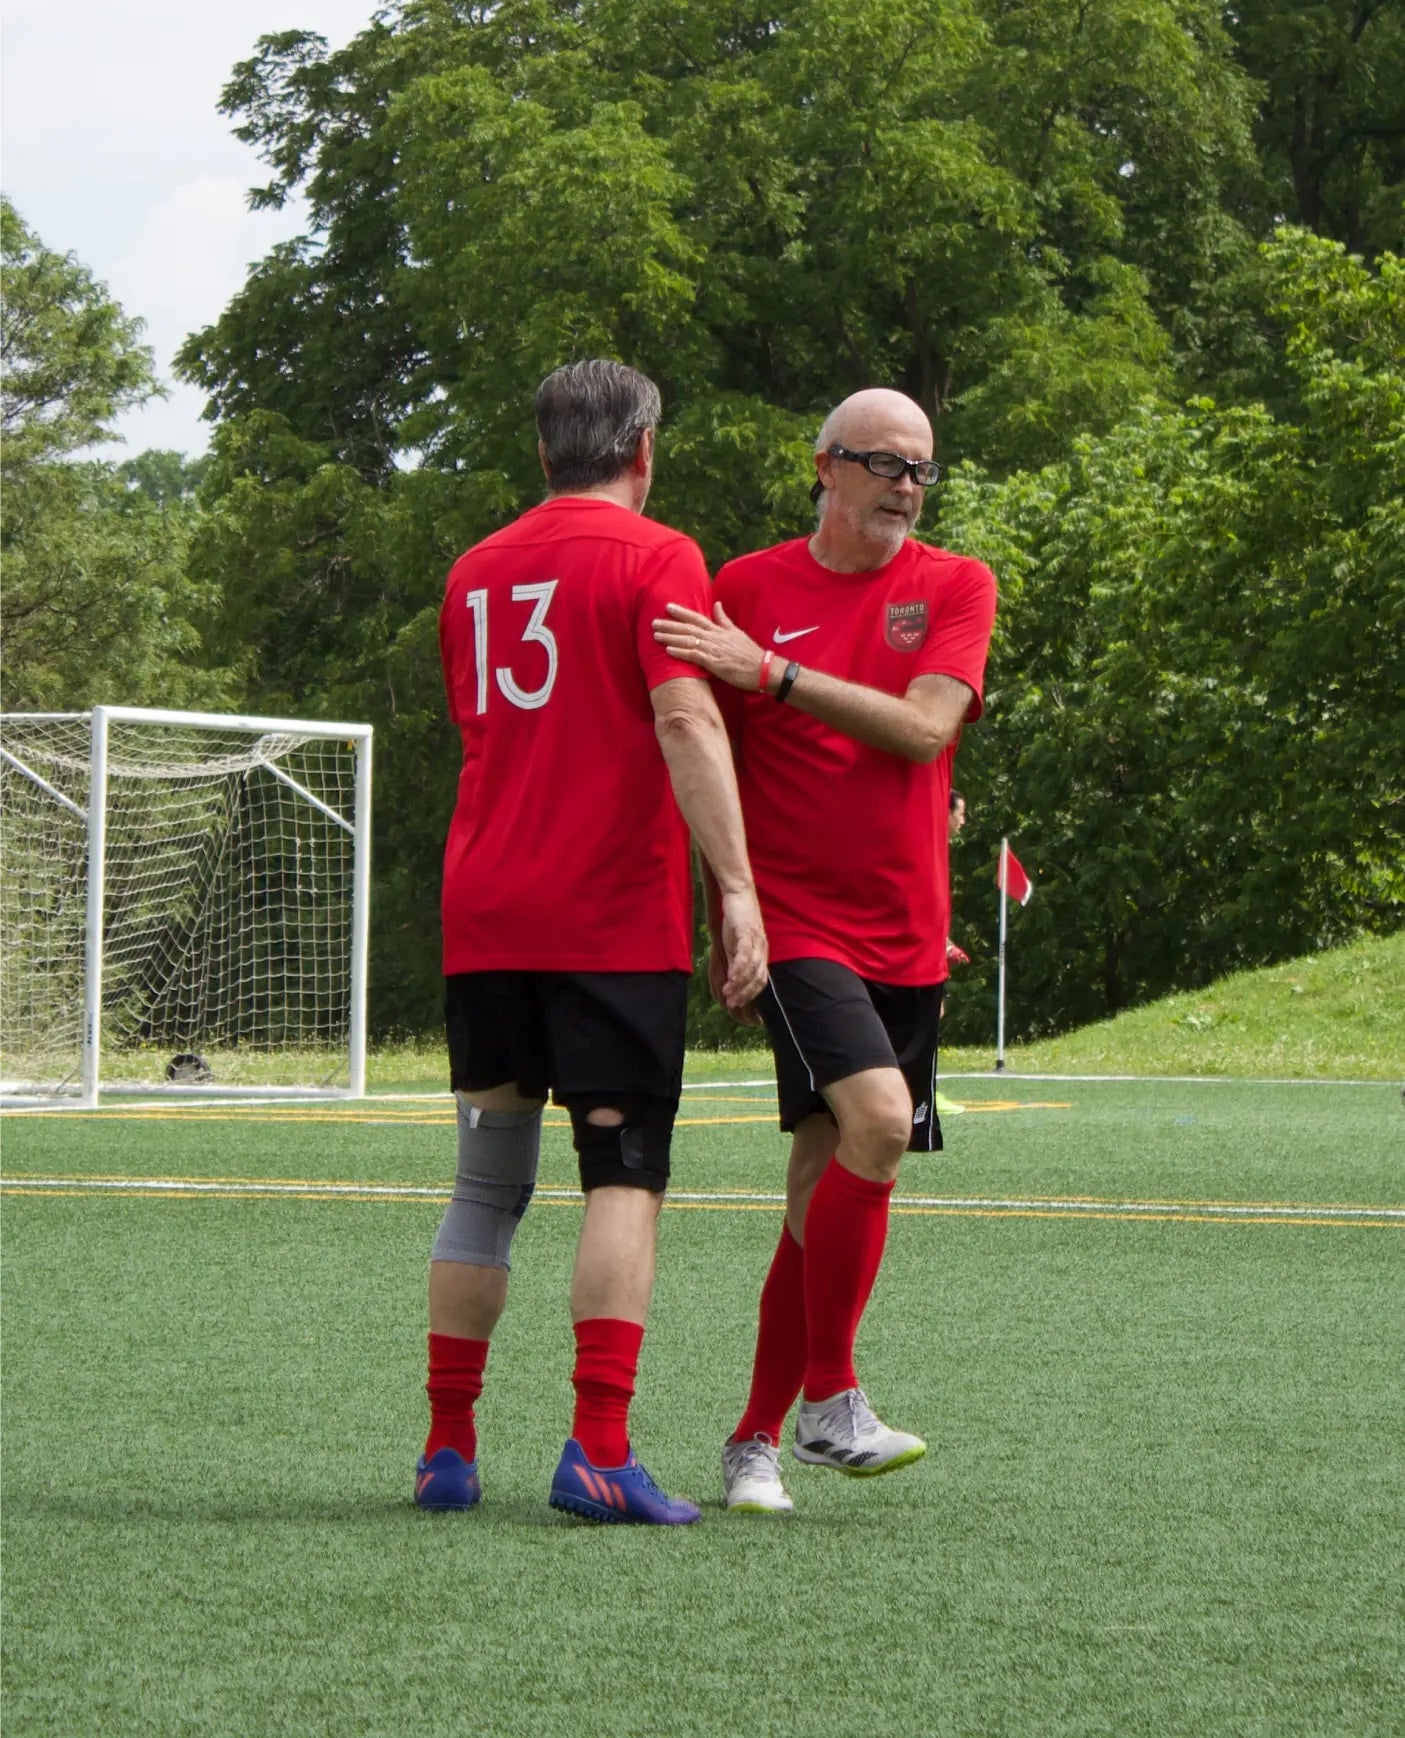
(1147, 1218)
(444, 1119)
(368, 1116)
(975, 1107)
(267, 1189)
(177, 1194)
(17, 1181)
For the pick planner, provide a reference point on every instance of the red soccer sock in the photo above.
(779, 1368)
(845, 1230)
(455, 1382)
(607, 1357)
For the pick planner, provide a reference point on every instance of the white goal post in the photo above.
(184, 904)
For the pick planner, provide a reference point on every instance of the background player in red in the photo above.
(956, 820)
(567, 911)
(844, 765)
(955, 956)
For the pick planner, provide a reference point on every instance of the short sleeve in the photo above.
(676, 573)
(963, 614)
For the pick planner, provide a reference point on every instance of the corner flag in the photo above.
(1013, 883)
(1010, 876)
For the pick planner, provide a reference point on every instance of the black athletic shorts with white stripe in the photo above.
(825, 1023)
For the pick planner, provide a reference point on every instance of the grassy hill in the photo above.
(1339, 1014)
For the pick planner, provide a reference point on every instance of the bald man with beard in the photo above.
(846, 663)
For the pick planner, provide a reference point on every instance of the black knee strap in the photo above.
(633, 1154)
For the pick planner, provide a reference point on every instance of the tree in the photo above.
(72, 359)
(1195, 728)
(995, 207)
(1331, 124)
(97, 605)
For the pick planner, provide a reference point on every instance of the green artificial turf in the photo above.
(1163, 1492)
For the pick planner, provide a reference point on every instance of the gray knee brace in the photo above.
(497, 1173)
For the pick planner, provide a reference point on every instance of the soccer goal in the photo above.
(183, 904)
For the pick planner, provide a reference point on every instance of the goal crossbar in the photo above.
(243, 721)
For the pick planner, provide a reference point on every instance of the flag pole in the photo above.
(1000, 997)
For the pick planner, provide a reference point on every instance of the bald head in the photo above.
(865, 517)
(878, 417)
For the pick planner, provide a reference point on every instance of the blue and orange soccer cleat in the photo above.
(615, 1493)
(447, 1481)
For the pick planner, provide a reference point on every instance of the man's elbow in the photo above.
(930, 743)
(681, 728)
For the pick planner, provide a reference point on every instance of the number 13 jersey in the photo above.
(566, 851)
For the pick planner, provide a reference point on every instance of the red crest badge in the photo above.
(907, 625)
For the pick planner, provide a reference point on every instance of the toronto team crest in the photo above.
(907, 625)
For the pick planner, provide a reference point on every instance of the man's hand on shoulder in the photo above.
(716, 645)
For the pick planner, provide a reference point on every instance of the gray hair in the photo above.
(591, 417)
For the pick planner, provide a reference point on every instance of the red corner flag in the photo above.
(1011, 878)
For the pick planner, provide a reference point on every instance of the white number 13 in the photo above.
(541, 595)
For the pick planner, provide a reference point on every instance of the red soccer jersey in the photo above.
(567, 851)
(849, 843)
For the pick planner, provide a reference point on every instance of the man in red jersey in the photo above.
(588, 754)
(852, 659)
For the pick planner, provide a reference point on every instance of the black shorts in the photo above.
(587, 1038)
(825, 1023)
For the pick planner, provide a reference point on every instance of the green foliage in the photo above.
(1195, 730)
(762, 212)
(97, 604)
(1181, 453)
(1331, 125)
(72, 359)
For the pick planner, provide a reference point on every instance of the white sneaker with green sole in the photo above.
(844, 1432)
(751, 1478)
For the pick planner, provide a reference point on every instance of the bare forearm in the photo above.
(887, 721)
(916, 725)
(699, 760)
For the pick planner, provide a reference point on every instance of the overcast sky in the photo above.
(111, 148)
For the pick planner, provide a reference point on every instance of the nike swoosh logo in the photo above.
(794, 634)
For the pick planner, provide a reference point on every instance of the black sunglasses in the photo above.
(924, 472)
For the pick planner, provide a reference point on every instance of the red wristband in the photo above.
(766, 657)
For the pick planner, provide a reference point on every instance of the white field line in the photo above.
(1010, 1077)
(250, 1098)
(1004, 1077)
(722, 1085)
(712, 1198)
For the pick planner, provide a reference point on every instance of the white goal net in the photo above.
(183, 903)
